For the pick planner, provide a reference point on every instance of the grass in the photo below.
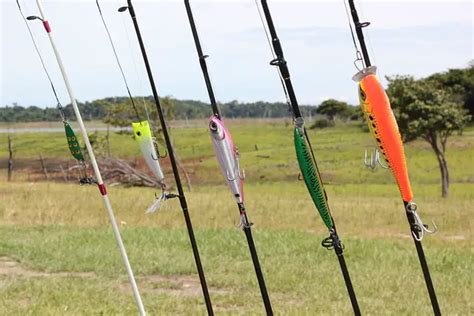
(70, 234)
(339, 152)
(62, 257)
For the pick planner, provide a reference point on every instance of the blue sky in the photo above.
(406, 37)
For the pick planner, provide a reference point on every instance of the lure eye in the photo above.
(139, 133)
(213, 126)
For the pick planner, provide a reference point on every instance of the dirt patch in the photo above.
(183, 286)
(10, 267)
(173, 285)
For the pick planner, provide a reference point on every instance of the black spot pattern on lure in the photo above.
(362, 94)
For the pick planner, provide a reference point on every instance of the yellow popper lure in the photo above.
(142, 135)
(141, 131)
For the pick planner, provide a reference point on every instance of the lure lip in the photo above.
(371, 70)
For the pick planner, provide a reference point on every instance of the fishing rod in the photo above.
(72, 140)
(228, 158)
(169, 146)
(384, 129)
(142, 131)
(100, 182)
(304, 153)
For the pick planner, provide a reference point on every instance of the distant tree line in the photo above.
(458, 84)
(120, 111)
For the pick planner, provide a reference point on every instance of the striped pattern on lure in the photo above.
(383, 127)
(228, 157)
(311, 176)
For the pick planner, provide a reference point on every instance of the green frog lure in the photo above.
(142, 132)
(72, 139)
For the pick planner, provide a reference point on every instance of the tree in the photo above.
(333, 108)
(460, 83)
(425, 110)
(121, 113)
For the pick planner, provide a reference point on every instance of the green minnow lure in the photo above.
(311, 176)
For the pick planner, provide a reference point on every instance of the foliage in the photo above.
(118, 110)
(333, 108)
(322, 123)
(460, 84)
(425, 110)
(100, 144)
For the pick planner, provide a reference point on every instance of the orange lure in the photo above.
(383, 127)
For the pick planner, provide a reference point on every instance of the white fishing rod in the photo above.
(100, 182)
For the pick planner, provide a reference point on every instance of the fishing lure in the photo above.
(228, 157)
(141, 131)
(304, 153)
(311, 176)
(383, 126)
(143, 136)
(72, 139)
(173, 161)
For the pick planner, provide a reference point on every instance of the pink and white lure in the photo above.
(228, 157)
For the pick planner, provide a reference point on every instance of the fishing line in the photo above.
(118, 60)
(358, 53)
(162, 184)
(73, 143)
(132, 58)
(267, 34)
(288, 102)
(373, 56)
(38, 52)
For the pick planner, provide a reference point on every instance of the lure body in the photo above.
(73, 142)
(310, 173)
(383, 127)
(142, 133)
(228, 157)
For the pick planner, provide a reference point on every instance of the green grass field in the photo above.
(58, 255)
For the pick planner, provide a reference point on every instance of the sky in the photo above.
(405, 37)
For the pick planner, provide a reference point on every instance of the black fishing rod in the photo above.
(181, 196)
(227, 157)
(306, 160)
(416, 226)
(202, 61)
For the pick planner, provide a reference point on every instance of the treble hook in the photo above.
(241, 173)
(374, 160)
(418, 228)
(155, 143)
(158, 199)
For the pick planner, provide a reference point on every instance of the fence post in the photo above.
(10, 158)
